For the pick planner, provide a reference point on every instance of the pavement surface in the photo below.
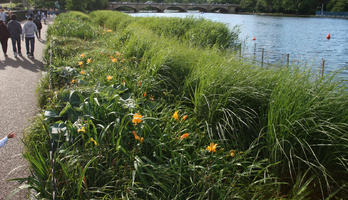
(19, 78)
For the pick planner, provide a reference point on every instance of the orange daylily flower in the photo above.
(82, 55)
(109, 78)
(185, 135)
(137, 118)
(176, 115)
(233, 153)
(139, 83)
(184, 117)
(211, 147)
(140, 139)
(145, 94)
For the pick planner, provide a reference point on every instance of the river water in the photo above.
(303, 38)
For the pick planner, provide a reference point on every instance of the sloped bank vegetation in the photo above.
(152, 108)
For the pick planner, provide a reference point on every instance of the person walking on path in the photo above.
(38, 24)
(15, 29)
(29, 31)
(3, 15)
(4, 140)
(4, 35)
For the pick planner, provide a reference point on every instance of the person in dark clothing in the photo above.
(4, 35)
(15, 29)
(38, 24)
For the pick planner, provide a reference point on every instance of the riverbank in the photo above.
(291, 15)
(155, 108)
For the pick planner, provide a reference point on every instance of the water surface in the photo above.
(303, 38)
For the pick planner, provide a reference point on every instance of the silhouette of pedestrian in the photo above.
(15, 29)
(4, 35)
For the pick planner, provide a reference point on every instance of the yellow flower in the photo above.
(184, 117)
(176, 115)
(233, 153)
(109, 77)
(89, 60)
(141, 140)
(137, 118)
(82, 55)
(211, 147)
(82, 129)
(95, 142)
(185, 135)
(114, 60)
(83, 72)
(73, 81)
(80, 63)
(109, 31)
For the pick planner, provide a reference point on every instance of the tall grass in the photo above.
(280, 134)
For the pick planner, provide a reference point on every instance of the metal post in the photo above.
(322, 67)
(240, 52)
(262, 56)
(254, 51)
(287, 60)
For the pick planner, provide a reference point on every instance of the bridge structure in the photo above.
(182, 7)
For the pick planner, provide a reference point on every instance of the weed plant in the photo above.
(138, 110)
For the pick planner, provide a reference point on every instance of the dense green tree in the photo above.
(338, 5)
(286, 6)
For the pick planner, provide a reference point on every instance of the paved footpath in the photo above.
(19, 78)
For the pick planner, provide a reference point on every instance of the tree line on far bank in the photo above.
(273, 6)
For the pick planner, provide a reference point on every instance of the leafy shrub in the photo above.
(279, 134)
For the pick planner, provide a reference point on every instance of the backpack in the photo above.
(38, 23)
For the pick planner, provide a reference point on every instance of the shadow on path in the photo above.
(31, 64)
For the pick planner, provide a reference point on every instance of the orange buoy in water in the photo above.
(254, 38)
(328, 36)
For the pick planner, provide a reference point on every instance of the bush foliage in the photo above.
(138, 110)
